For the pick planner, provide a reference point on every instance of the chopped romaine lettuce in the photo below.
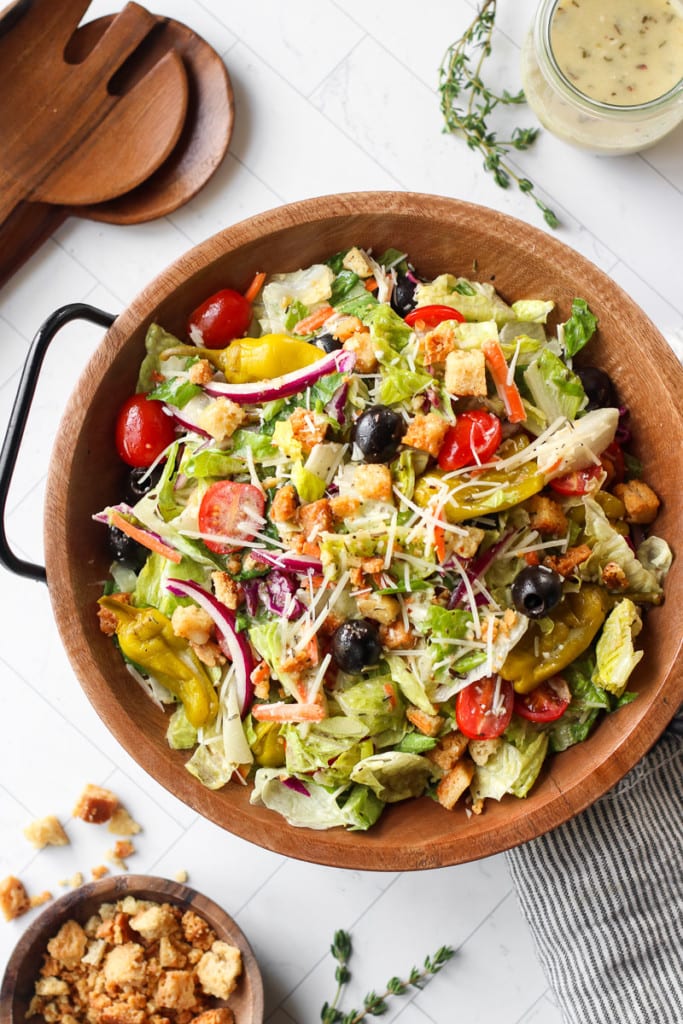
(579, 328)
(614, 651)
(393, 775)
(180, 733)
(532, 744)
(157, 341)
(610, 546)
(555, 389)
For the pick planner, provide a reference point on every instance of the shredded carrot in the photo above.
(371, 285)
(390, 694)
(313, 321)
(157, 377)
(282, 712)
(440, 540)
(507, 389)
(255, 286)
(144, 538)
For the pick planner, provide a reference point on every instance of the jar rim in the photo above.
(544, 19)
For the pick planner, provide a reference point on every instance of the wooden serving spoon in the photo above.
(70, 134)
(198, 152)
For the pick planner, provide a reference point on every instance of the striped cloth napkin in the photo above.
(603, 893)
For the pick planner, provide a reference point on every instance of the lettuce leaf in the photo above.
(579, 328)
(614, 652)
(393, 775)
(554, 388)
(157, 341)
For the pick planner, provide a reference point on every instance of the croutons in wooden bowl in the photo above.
(440, 235)
(130, 945)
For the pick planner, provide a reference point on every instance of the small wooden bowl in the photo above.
(24, 965)
(439, 235)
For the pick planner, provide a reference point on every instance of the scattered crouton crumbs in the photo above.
(74, 882)
(40, 899)
(46, 832)
(121, 823)
(95, 805)
(136, 962)
(99, 871)
(14, 899)
(123, 849)
(181, 876)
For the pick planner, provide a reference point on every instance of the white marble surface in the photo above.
(330, 96)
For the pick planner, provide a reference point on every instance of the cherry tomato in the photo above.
(220, 319)
(472, 439)
(142, 431)
(484, 708)
(579, 481)
(432, 316)
(546, 703)
(230, 509)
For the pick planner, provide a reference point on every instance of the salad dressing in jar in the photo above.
(606, 75)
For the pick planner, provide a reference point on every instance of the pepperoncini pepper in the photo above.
(248, 360)
(146, 636)
(540, 655)
(479, 496)
(269, 746)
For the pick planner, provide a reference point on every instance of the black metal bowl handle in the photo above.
(19, 415)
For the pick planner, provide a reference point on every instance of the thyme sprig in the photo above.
(374, 1004)
(467, 103)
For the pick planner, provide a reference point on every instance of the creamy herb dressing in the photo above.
(616, 52)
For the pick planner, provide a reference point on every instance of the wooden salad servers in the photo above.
(122, 119)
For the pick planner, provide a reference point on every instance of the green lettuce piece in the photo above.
(588, 700)
(260, 444)
(266, 638)
(361, 808)
(532, 745)
(343, 285)
(393, 775)
(554, 388)
(180, 733)
(196, 550)
(309, 486)
(157, 341)
(399, 384)
(367, 702)
(310, 287)
(311, 748)
(150, 590)
(393, 258)
(361, 306)
(416, 743)
(473, 335)
(522, 346)
(307, 806)
(211, 767)
(390, 334)
(475, 301)
(614, 652)
(411, 687)
(212, 463)
(177, 391)
(446, 624)
(167, 504)
(579, 328)
(610, 546)
(655, 555)
(124, 579)
(491, 781)
(337, 548)
(534, 311)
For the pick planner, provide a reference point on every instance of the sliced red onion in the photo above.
(184, 421)
(233, 644)
(103, 516)
(477, 567)
(287, 560)
(278, 593)
(296, 784)
(337, 404)
(289, 384)
(250, 589)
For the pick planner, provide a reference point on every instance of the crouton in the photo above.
(221, 1015)
(308, 428)
(219, 969)
(14, 899)
(426, 432)
(436, 345)
(260, 680)
(99, 871)
(155, 921)
(107, 620)
(40, 898)
(448, 750)
(346, 326)
(362, 347)
(121, 1012)
(176, 990)
(466, 545)
(121, 823)
(381, 607)
(227, 590)
(454, 783)
(614, 577)
(315, 518)
(356, 261)
(343, 506)
(640, 501)
(197, 931)
(68, 945)
(170, 954)
(51, 987)
(95, 805)
(481, 750)
(428, 725)
(465, 373)
(209, 653)
(190, 622)
(373, 481)
(566, 564)
(284, 505)
(124, 966)
(201, 372)
(221, 418)
(546, 516)
(395, 636)
(46, 832)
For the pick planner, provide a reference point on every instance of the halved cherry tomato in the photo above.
(484, 708)
(432, 316)
(472, 439)
(220, 319)
(579, 481)
(229, 509)
(546, 703)
(142, 430)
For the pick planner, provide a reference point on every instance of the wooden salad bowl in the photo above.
(439, 235)
(246, 1002)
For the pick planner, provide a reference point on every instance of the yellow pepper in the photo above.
(248, 360)
(269, 747)
(540, 655)
(474, 496)
(146, 637)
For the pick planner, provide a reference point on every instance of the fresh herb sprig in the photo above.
(375, 1004)
(467, 103)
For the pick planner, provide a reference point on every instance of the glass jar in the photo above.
(608, 31)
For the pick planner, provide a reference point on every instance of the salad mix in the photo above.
(380, 538)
